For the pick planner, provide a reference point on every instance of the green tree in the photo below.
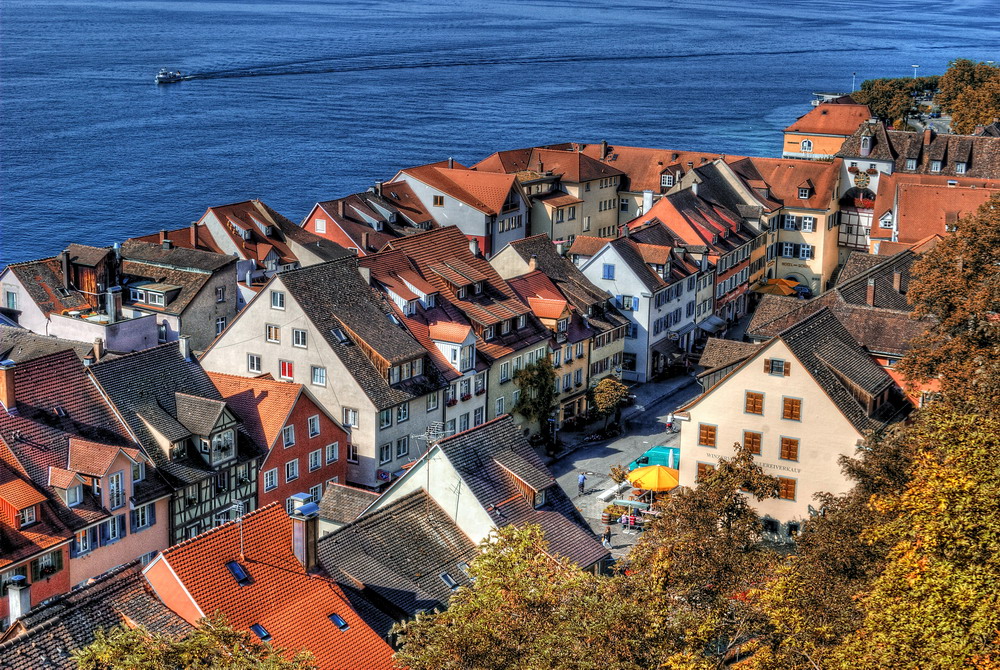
(702, 556)
(537, 382)
(530, 609)
(213, 644)
(607, 397)
(958, 284)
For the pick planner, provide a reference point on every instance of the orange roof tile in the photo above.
(924, 210)
(486, 191)
(546, 308)
(17, 492)
(784, 176)
(449, 331)
(94, 458)
(292, 605)
(644, 166)
(61, 478)
(831, 120)
(263, 405)
(585, 245)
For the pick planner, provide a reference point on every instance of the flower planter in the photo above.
(466, 397)
(852, 170)
(480, 391)
(872, 171)
(451, 403)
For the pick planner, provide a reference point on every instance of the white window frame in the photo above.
(74, 495)
(26, 516)
(299, 338)
(351, 417)
(500, 406)
(384, 419)
(292, 473)
(288, 436)
(808, 224)
(321, 377)
(403, 446)
(320, 225)
(385, 453)
(315, 460)
(403, 412)
(311, 422)
(352, 452)
(272, 477)
(787, 250)
(432, 401)
(278, 300)
(254, 363)
(271, 329)
(332, 452)
(316, 492)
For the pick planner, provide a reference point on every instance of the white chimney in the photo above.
(533, 263)
(184, 344)
(647, 201)
(8, 398)
(305, 529)
(474, 246)
(19, 595)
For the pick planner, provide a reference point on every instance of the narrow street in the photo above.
(645, 430)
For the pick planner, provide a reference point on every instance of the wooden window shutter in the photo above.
(788, 368)
(767, 365)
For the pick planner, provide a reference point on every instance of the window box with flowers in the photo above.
(480, 391)
(466, 396)
(853, 169)
(48, 570)
(452, 402)
(871, 171)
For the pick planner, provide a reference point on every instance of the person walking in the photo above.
(581, 482)
(606, 537)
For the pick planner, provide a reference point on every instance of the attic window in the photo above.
(477, 287)
(395, 319)
(539, 498)
(62, 292)
(449, 581)
(243, 578)
(339, 622)
(59, 411)
(260, 632)
(959, 168)
(803, 194)
(339, 334)
(464, 567)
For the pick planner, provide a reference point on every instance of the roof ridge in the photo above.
(132, 354)
(805, 320)
(468, 430)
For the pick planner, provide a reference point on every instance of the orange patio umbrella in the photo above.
(654, 478)
(777, 287)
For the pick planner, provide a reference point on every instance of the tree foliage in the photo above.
(958, 284)
(893, 99)
(212, 645)
(529, 609)
(970, 92)
(608, 396)
(538, 394)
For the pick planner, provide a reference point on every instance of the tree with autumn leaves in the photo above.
(970, 92)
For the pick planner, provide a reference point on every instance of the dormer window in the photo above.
(430, 300)
(222, 446)
(461, 293)
(806, 146)
(666, 180)
(477, 288)
(803, 194)
(488, 333)
(959, 168)
(74, 495)
(26, 516)
(539, 498)
(418, 367)
(505, 326)
(468, 359)
(562, 325)
(521, 321)
(137, 295)
(911, 163)
(935, 166)
(411, 308)
(138, 472)
(154, 299)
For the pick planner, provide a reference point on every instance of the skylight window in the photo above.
(339, 622)
(240, 574)
(339, 334)
(449, 581)
(260, 632)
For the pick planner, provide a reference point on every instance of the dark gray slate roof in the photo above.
(177, 257)
(473, 454)
(334, 296)
(394, 557)
(197, 414)
(343, 504)
(67, 623)
(20, 345)
(858, 262)
(137, 380)
(854, 290)
(524, 470)
(830, 354)
(627, 251)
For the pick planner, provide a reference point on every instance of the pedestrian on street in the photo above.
(581, 482)
(606, 537)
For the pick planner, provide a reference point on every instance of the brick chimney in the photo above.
(65, 269)
(7, 396)
(604, 149)
(194, 234)
(378, 189)
(870, 293)
(340, 209)
(364, 240)
(19, 595)
(928, 135)
(163, 236)
(98, 349)
(533, 263)
(897, 280)
(305, 530)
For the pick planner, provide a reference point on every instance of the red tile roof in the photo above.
(923, 210)
(449, 331)
(263, 405)
(830, 119)
(644, 166)
(571, 166)
(16, 492)
(585, 245)
(541, 294)
(246, 215)
(784, 177)
(93, 458)
(292, 605)
(485, 191)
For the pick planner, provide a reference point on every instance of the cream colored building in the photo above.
(801, 402)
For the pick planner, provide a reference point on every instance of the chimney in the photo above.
(451, 163)
(364, 240)
(113, 304)
(694, 186)
(378, 189)
(305, 527)
(194, 234)
(98, 349)
(897, 280)
(474, 246)
(163, 236)
(19, 594)
(184, 344)
(533, 263)
(561, 247)
(167, 244)
(7, 395)
(604, 149)
(928, 135)
(647, 201)
(65, 269)
(340, 208)
(541, 168)
(870, 294)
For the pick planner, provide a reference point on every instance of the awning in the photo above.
(712, 324)
(666, 347)
(681, 332)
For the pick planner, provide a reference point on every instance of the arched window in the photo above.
(807, 146)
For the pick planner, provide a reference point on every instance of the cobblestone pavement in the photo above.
(654, 402)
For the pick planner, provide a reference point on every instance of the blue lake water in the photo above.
(92, 151)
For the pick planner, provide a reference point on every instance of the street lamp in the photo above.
(914, 70)
(854, 79)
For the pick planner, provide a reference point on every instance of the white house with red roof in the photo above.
(490, 209)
